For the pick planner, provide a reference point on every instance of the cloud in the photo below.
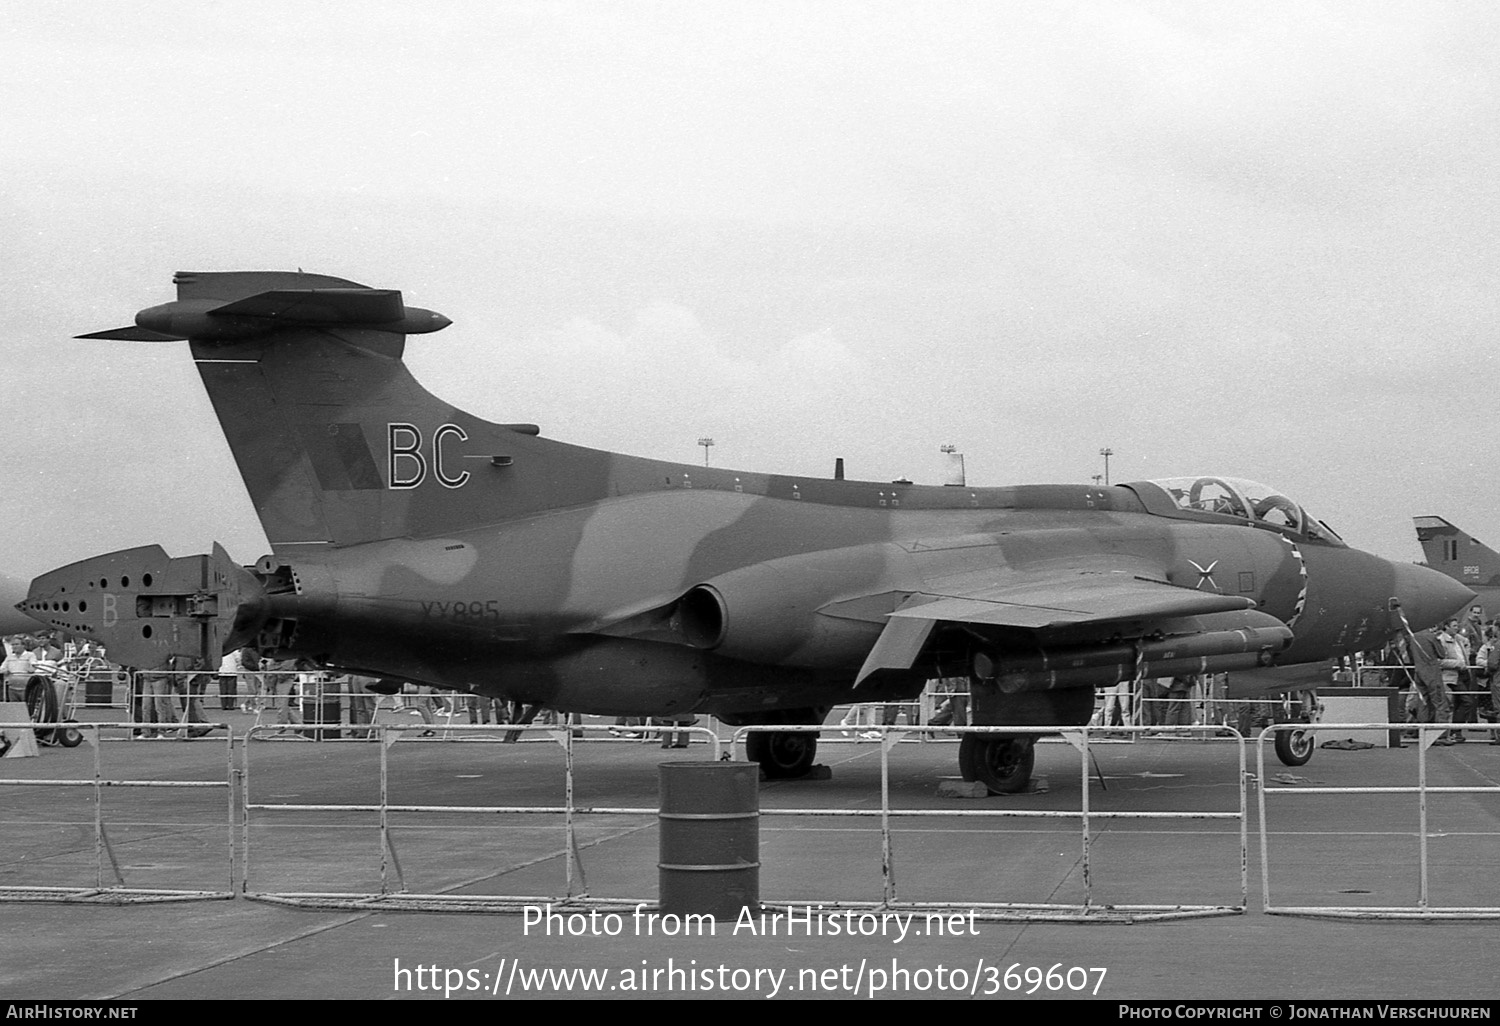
(1201, 234)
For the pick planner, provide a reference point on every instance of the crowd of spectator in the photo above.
(296, 696)
(1450, 675)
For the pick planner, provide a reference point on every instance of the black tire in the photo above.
(1294, 747)
(782, 754)
(1002, 764)
(41, 703)
(68, 737)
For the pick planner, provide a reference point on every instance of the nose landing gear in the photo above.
(1295, 747)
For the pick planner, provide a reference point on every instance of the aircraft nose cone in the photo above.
(1427, 596)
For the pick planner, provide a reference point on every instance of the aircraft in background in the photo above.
(1464, 558)
(413, 541)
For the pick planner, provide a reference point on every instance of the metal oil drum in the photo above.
(710, 838)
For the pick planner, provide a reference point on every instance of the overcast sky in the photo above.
(1246, 239)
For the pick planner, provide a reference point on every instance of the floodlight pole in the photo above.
(705, 442)
(1106, 453)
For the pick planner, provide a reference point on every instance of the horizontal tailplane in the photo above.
(239, 305)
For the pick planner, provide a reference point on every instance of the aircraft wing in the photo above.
(1040, 601)
(1073, 598)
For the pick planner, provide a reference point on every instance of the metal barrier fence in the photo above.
(1087, 911)
(1368, 675)
(91, 689)
(1421, 909)
(118, 892)
(109, 882)
(330, 708)
(185, 692)
(576, 883)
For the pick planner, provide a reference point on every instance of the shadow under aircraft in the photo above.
(415, 542)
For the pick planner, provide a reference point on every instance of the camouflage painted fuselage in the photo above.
(573, 608)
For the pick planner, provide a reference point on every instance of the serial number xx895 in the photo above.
(476, 613)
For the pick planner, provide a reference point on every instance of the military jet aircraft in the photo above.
(412, 540)
(1466, 559)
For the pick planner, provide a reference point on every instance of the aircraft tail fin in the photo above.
(337, 443)
(1456, 553)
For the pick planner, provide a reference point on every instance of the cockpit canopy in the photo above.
(1233, 497)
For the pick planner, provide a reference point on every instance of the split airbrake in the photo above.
(414, 541)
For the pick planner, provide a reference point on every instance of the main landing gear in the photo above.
(782, 755)
(786, 754)
(1002, 764)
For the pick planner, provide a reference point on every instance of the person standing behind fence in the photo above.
(1153, 703)
(1428, 656)
(953, 708)
(1456, 677)
(191, 687)
(1179, 705)
(1487, 665)
(17, 670)
(1401, 677)
(289, 712)
(249, 684)
(1116, 711)
(362, 704)
(158, 706)
(272, 674)
(479, 709)
(419, 700)
(1465, 701)
(229, 678)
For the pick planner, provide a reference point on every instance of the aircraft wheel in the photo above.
(1003, 764)
(1294, 747)
(782, 754)
(41, 703)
